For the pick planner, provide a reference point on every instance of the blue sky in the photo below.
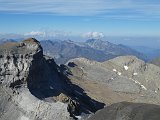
(110, 17)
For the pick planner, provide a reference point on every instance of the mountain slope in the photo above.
(126, 78)
(32, 86)
(111, 48)
(62, 51)
(128, 111)
(151, 53)
(92, 49)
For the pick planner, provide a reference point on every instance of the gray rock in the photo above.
(128, 111)
(32, 86)
(128, 77)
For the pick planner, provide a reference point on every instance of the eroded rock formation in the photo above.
(32, 86)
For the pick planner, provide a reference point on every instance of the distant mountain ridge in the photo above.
(62, 51)
(156, 61)
(151, 53)
(112, 48)
(93, 49)
(3, 40)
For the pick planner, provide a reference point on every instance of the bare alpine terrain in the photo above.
(34, 87)
(79, 59)
(124, 78)
(127, 78)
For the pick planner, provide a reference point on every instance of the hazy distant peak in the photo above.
(96, 40)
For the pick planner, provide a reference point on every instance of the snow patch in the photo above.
(137, 82)
(143, 87)
(81, 68)
(126, 67)
(78, 117)
(135, 74)
(119, 73)
(155, 91)
(114, 70)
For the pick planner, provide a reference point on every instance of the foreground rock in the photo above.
(128, 111)
(32, 86)
(124, 78)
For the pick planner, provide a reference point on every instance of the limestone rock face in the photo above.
(23, 70)
(32, 86)
(16, 60)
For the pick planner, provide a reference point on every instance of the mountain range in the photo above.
(150, 53)
(93, 49)
(156, 61)
(34, 87)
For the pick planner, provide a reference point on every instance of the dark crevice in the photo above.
(17, 84)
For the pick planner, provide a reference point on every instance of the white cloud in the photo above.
(47, 33)
(39, 34)
(96, 35)
(35, 33)
(115, 8)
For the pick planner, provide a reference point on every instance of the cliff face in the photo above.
(32, 86)
(23, 71)
(15, 61)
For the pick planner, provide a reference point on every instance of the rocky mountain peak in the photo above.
(33, 86)
(98, 44)
(16, 60)
(28, 46)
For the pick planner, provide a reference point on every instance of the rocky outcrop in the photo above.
(128, 111)
(16, 60)
(32, 86)
(125, 78)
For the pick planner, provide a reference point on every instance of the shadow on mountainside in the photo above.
(47, 80)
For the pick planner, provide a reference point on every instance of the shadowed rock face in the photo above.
(32, 86)
(16, 60)
(128, 111)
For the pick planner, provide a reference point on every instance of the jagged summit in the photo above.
(28, 46)
(99, 44)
